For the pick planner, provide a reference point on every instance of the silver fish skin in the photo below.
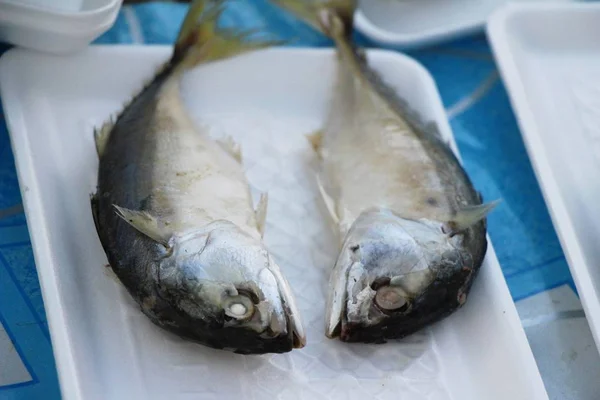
(175, 217)
(411, 226)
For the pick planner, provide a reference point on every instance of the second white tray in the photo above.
(549, 57)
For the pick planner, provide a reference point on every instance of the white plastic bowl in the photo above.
(55, 26)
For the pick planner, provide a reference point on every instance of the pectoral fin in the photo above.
(328, 202)
(230, 146)
(468, 217)
(261, 213)
(146, 224)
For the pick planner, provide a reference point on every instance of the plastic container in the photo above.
(267, 101)
(549, 58)
(55, 26)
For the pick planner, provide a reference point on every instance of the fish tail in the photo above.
(334, 18)
(201, 40)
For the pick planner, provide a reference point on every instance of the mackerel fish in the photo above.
(411, 226)
(174, 211)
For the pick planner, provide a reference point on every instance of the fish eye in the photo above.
(240, 307)
(391, 299)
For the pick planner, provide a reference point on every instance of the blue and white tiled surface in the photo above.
(493, 153)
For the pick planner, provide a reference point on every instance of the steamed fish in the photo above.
(174, 212)
(411, 225)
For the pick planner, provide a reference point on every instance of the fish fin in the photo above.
(329, 203)
(201, 40)
(232, 147)
(318, 13)
(102, 134)
(145, 223)
(94, 204)
(345, 221)
(261, 212)
(316, 140)
(468, 217)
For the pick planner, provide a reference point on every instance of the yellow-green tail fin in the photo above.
(331, 17)
(201, 40)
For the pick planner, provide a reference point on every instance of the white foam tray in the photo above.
(56, 26)
(549, 57)
(414, 23)
(106, 349)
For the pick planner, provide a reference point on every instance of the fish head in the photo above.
(229, 292)
(393, 277)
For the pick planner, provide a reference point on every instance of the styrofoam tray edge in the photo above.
(38, 232)
(496, 31)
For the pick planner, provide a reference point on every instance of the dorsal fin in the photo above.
(328, 201)
(468, 216)
(231, 147)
